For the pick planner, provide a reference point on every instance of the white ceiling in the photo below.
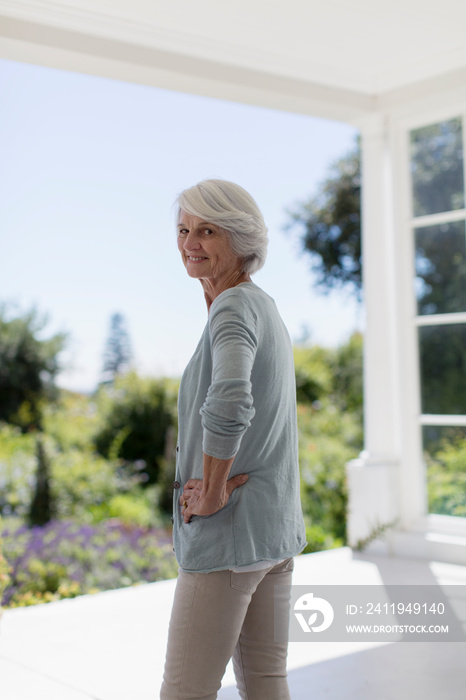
(350, 52)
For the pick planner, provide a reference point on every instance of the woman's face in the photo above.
(206, 250)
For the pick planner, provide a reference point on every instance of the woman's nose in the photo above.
(191, 242)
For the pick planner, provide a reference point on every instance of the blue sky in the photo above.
(89, 171)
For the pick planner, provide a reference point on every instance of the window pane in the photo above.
(437, 168)
(445, 455)
(441, 268)
(443, 369)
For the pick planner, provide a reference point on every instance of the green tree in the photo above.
(313, 373)
(330, 225)
(137, 414)
(42, 507)
(333, 377)
(117, 353)
(28, 367)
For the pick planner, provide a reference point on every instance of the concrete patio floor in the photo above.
(111, 646)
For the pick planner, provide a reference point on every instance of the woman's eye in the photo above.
(182, 231)
(208, 231)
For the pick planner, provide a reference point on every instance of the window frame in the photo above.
(422, 320)
(439, 522)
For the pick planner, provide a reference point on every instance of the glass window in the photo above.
(445, 457)
(441, 268)
(442, 351)
(437, 168)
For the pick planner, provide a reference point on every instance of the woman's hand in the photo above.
(195, 501)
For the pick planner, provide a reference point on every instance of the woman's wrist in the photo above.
(215, 473)
(214, 497)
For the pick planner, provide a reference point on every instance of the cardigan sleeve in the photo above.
(228, 408)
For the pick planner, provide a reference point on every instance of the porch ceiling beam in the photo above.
(69, 50)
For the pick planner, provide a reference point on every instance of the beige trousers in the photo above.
(223, 614)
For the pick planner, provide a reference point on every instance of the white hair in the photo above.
(230, 207)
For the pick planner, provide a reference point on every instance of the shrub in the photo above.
(17, 468)
(329, 390)
(328, 439)
(347, 372)
(334, 375)
(4, 569)
(319, 539)
(140, 508)
(446, 482)
(84, 483)
(72, 421)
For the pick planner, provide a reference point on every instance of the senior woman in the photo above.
(237, 514)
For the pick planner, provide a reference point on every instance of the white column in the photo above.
(373, 479)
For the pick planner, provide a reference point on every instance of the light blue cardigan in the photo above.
(238, 398)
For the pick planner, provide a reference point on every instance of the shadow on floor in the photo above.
(400, 671)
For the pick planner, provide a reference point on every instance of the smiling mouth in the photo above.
(192, 258)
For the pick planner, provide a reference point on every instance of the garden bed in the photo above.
(65, 558)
